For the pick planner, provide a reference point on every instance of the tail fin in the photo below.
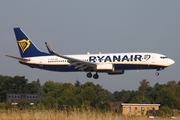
(26, 46)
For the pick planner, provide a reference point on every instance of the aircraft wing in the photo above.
(80, 64)
(17, 58)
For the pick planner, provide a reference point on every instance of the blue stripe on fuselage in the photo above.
(136, 67)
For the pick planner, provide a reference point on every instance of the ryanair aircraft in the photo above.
(111, 63)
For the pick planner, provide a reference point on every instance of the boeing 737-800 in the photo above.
(111, 63)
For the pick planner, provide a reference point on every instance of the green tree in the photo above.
(47, 102)
(117, 96)
(77, 84)
(143, 90)
(69, 101)
(165, 111)
(51, 88)
(166, 97)
(38, 84)
(23, 104)
(31, 87)
(126, 97)
(144, 85)
(17, 84)
(154, 92)
(89, 94)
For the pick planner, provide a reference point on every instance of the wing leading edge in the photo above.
(80, 64)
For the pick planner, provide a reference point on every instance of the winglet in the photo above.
(49, 48)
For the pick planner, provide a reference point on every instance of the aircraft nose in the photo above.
(171, 62)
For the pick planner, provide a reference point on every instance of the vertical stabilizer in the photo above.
(25, 45)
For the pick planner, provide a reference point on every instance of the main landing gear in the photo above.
(95, 76)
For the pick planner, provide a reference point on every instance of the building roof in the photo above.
(131, 104)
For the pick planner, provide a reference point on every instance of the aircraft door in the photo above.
(153, 58)
(41, 63)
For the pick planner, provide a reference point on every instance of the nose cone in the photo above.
(171, 62)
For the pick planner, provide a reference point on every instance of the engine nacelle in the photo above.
(116, 72)
(105, 67)
(111, 68)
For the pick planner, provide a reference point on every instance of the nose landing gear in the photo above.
(157, 73)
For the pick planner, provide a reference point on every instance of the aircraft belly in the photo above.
(136, 66)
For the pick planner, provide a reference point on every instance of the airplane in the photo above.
(111, 63)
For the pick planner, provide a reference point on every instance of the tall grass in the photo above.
(75, 114)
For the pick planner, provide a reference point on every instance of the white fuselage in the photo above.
(105, 62)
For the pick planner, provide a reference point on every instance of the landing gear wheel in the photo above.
(96, 76)
(157, 73)
(89, 75)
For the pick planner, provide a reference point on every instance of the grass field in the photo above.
(16, 114)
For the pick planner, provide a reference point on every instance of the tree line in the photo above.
(59, 95)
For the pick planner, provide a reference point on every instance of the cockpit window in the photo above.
(163, 57)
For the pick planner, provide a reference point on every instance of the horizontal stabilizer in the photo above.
(17, 58)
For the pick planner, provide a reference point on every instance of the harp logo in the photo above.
(24, 44)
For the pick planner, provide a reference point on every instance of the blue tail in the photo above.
(26, 46)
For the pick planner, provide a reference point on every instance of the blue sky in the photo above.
(78, 27)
